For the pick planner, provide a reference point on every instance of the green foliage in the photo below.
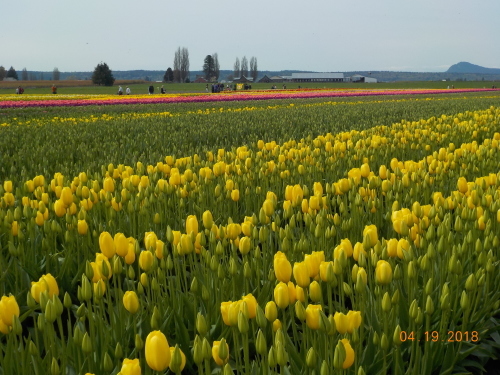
(12, 73)
(102, 75)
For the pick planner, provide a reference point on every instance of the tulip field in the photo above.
(286, 232)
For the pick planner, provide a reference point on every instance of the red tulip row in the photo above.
(225, 97)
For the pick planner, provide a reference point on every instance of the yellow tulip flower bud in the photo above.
(131, 302)
(107, 245)
(282, 267)
(130, 367)
(301, 274)
(157, 351)
(383, 272)
(312, 316)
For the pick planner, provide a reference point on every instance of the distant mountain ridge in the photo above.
(466, 67)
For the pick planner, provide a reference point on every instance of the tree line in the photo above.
(27, 76)
(103, 75)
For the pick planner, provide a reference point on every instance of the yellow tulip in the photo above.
(233, 311)
(7, 186)
(312, 316)
(177, 238)
(97, 266)
(371, 232)
(83, 227)
(383, 272)
(157, 351)
(109, 185)
(315, 292)
(150, 239)
(216, 351)
(268, 207)
(130, 257)
(301, 274)
(271, 312)
(244, 245)
(130, 367)
(392, 247)
(342, 323)
(358, 249)
(37, 288)
(313, 261)
(251, 305)
(403, 244)
(349, 354)
(323, 270)
(8, 309)
(160, 246)
(66, 196)
(15, 228)
(462, 185)
(208, 220)
(281, 295)
(233, 230)
(107, 245)
(146, 260)
(277, 325)
(121, 244)
(192, 225)
(224, 310)
(183, 359)
(235, 195)
(131, 302)
(53, 288)
(282, 267)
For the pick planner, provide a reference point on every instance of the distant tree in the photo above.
(24, 75)
(254, 71)
(103, 75)
(32, 76)
(177, 65)
(12, 73)
(169, 75)
(244, 66)
(216, 66)
(184, 65)
(236, 69)
(209, 68)
(3, 73)
(41, 76)
(56, 75)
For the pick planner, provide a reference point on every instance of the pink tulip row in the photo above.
(227, 97)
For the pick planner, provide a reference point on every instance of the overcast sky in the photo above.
(315, 35)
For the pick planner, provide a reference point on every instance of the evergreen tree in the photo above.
(209, 68)
(169, 75)
(103, 75)
(12, 73)
(3, 73)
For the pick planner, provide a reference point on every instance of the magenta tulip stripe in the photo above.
(222, 97)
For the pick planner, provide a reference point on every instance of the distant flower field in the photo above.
(13, 101)
(330, 232)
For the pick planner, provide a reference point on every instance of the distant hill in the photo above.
(465, 67)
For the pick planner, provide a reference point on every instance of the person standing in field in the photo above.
(151, 90)
(162, 90)
(120, 90)
(54, 89)
(127, 90)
